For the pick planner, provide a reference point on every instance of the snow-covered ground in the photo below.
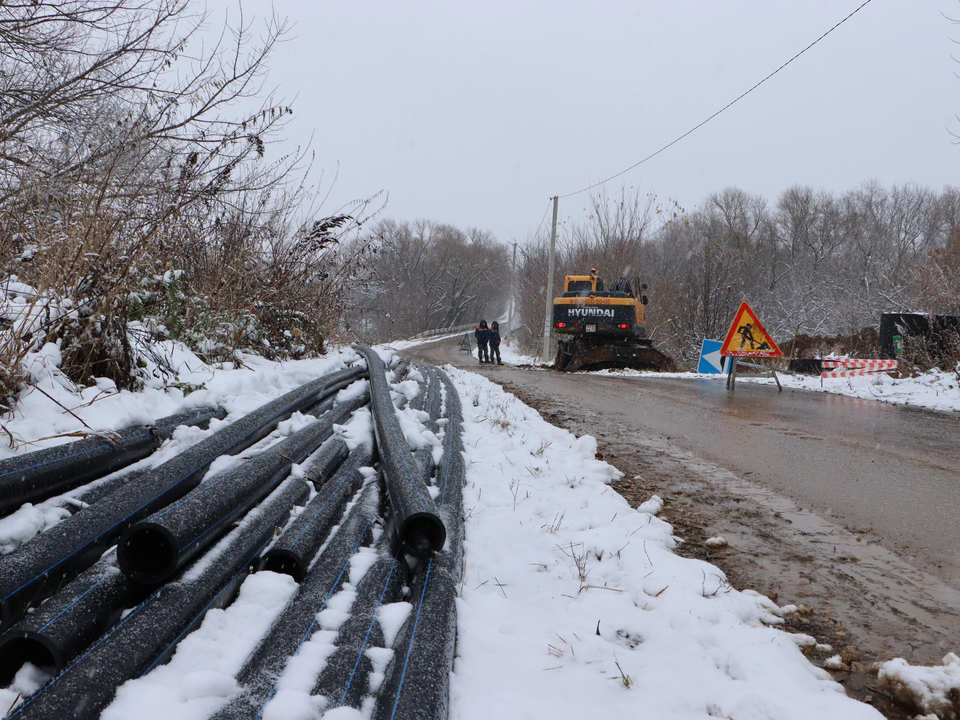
(572, 605)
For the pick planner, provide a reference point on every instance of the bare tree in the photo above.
(427, 275)
(133, 188)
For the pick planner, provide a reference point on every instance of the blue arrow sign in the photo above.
(710, 360)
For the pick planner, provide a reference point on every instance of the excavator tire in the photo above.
(573, 356)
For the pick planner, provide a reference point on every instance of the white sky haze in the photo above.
(475, 114)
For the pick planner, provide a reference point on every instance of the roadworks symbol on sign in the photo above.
(748, 338)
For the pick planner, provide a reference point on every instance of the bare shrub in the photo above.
(131, 201)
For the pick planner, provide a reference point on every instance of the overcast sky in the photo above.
(476, 114)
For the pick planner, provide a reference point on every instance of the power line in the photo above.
(549, 204)
(725, 107)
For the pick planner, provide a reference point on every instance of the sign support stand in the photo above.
(732, 376)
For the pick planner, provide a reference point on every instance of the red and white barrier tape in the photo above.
(855, 368)
(852, 364)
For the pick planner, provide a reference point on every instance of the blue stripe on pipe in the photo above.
(373, 621)
(413, 638)
(78, 599)
(309, 631)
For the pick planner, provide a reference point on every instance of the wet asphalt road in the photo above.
(886, 470)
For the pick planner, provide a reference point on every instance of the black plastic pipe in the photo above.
(148, 635)
(153, 550)
(298, 620)
(345, 678)
(419, 526)
(35, 570)
(416, 682)
(66, 624)
(294, 549)
(401, 367)
(452, 476)
(433, 404)
(40, 475)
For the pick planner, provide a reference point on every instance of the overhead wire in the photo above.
(549, 203)
(718, 112)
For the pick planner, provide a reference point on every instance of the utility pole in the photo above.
(548, 312)
(513, 296)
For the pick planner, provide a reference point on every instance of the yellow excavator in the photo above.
(601, 328)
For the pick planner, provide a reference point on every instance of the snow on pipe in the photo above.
(416, 682)
(148, 635)
(40, 475)
(62, 627)
(345, 678)
(452, 475)
(417, 402)
(420, 528)
(34, 571)
(65, 624)
(153, 550)
(298, 619)
(292, 552)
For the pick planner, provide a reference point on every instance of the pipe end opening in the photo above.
(148, 553)
(19, 648)
(423, 534)
(283, 561)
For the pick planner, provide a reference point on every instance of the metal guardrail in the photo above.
(427, 334)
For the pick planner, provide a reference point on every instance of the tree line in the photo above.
(425, 275)
(812, 263)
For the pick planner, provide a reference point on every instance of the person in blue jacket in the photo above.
(482, 333)
(495, 343)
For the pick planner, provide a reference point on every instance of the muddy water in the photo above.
(846, 508)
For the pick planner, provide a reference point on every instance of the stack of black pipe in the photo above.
(124, 613)
(54, 636)
(38, 568)
(416, 684)
(43, 474)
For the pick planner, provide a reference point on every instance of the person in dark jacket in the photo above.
(482, 333)
(495, 343)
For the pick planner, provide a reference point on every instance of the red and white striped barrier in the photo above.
(853, 367)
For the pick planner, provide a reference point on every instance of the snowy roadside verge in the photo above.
(573, 602)
(932, 390)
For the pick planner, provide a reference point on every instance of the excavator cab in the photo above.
(582, 285)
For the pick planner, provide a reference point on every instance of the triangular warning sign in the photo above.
(747, 337)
